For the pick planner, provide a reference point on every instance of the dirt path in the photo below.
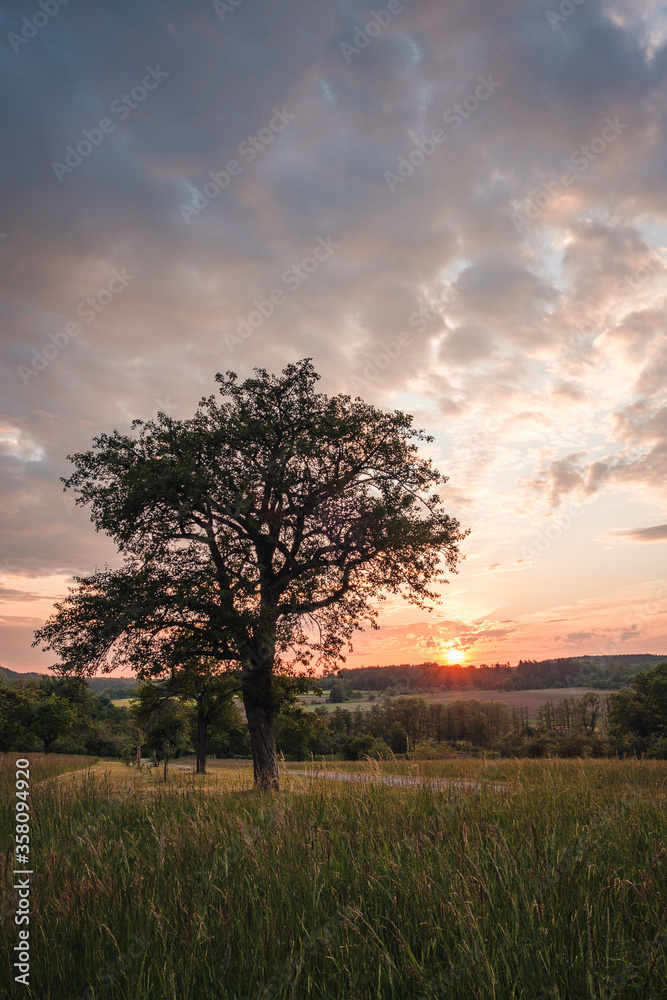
(395, 779)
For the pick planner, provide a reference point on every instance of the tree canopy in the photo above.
(642, 708)
(262, 533)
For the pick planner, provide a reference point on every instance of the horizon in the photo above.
(459, 216)
(381, 666)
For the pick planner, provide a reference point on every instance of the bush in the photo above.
(301, 733)
(657, 749)
(575, 745)
(539, 746)
(364, 746)
(398, 738)
(430, 750)
(337, 693)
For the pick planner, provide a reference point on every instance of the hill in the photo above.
(601, 672)
(110, 684)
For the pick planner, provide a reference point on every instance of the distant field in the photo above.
(531, 699)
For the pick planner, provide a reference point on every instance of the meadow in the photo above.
(544, 879)
(530, 699)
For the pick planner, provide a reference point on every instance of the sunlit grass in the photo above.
(202, 887)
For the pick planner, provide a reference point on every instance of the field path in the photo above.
(401, 780)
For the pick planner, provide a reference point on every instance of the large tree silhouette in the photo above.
(262, 532)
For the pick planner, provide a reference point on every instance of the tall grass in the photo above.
(556, 887)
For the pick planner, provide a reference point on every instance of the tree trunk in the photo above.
(201, 740)
(259, 713)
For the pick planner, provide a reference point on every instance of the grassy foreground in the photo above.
(203, 888)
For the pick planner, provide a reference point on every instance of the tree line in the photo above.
(165, 720)
(599, 672)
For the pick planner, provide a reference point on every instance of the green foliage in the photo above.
(163, 720)
(337, 694)
(430, 750)
(641, 710)
(599, 672)
(15, 716)
(398, 738)
(301, 734)
(365, 746)
(52, 716)
(227, 733)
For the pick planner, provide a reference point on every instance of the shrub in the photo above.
(430, 750)
(364, 746)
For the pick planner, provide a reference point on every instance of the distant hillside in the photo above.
(110, 684)
(606, 673)
(601, 672)
(14, 675)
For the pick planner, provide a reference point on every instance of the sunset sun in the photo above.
(454, 656)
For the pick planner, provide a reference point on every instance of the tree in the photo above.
(641, 710)
(163, 719)
(398, 738)
(15, 716)
(227, 734)
(269, 524)
(212, 694)
(52, 717)
(301, 733)
(337, 693)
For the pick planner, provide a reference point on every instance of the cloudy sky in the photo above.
(460, 210)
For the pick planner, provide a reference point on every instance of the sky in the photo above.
(458, 210)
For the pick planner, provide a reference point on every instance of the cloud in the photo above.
(538, 358)
(7, 594)
(657, 533)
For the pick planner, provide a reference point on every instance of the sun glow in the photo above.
(455, 656)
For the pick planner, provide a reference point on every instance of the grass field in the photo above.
(201, 887)
(531, 699)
